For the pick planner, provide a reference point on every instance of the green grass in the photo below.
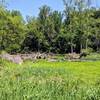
(42, 80)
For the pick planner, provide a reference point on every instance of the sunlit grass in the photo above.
(42, 80)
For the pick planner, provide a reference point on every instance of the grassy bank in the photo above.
(42, 80)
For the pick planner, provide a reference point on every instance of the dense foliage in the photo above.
(73, 30)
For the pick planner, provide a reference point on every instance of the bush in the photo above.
(3, 52)
(87, 51)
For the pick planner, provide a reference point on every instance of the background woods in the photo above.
(75, 29)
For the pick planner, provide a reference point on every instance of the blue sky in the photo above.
(31, 7)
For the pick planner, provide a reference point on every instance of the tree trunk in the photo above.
(97, 45)
(81, 47)
(38, 47)
(86, 46)
(72, 47)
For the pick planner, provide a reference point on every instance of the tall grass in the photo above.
(50, 81)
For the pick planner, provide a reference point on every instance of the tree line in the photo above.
(75, 29)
